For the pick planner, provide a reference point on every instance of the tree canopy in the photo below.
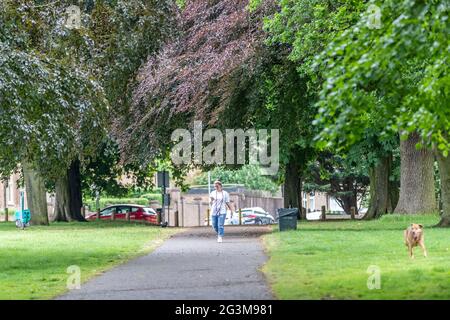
(57, 82)
(193, 75)
(400, 70)
(341, 80)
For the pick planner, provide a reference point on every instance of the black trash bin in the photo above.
(287, 219)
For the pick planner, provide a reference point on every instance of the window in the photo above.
(305, 201)
(123, 209)
(107, 212)
(10, 192)
(149, 211)
(312, 202)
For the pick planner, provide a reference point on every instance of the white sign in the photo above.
(374, 18)
(74, 279)
(73, 20)
(374, 279)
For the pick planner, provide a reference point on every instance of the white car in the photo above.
(256, 215)
(232, 218)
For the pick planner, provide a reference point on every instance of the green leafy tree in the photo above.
(249, 175)
(104, 52)
(289, 86)
(401, 71)
(344, 178)
(36, 131)
(103, 172)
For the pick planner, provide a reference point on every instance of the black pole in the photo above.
(163, 208)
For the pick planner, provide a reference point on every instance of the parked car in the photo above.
(232, 218)
(256, 215)
(137, 212)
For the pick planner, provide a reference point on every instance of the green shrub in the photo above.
(137, 193)
(249, 175)
(151, 196)
(11, 211)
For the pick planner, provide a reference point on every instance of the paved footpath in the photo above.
(190, 265)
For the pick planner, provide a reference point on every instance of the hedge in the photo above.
(151, 196)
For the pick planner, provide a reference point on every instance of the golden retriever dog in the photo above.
(414, 237)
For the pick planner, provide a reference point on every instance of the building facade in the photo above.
(10, 195)
(313, 201)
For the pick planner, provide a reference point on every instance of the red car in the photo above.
(137, 212)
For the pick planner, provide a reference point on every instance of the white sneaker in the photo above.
(219, 239)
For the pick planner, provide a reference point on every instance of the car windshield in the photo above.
(149, 211)
(107, 211)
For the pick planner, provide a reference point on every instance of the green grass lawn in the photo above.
(329, 260)
(34, 261)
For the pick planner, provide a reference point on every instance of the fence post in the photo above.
(113, 215)
(182, 211)
(208, 216)
(98, 214)
(177, 214)
(353, 212)
(177, 218)
(127, 216)
(158, 217)
(168, 216)
(240, 216)
(199, 213)
(323, 216)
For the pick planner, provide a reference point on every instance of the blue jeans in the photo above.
(218, 222)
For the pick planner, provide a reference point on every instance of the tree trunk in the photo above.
(69, 196)
(76, 195)
(394, 193)
(393, 187)
(350, 199)
(379, 189)
(36, 195)
(347, 203)
(62, 199)
(417, 194)
(444, 172)
(293, 187)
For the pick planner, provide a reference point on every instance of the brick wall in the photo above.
(12, 200)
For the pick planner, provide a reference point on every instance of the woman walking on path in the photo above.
(220, 200)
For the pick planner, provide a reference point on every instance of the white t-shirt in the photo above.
(221, 198)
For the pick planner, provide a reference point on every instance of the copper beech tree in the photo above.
(216, 50)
